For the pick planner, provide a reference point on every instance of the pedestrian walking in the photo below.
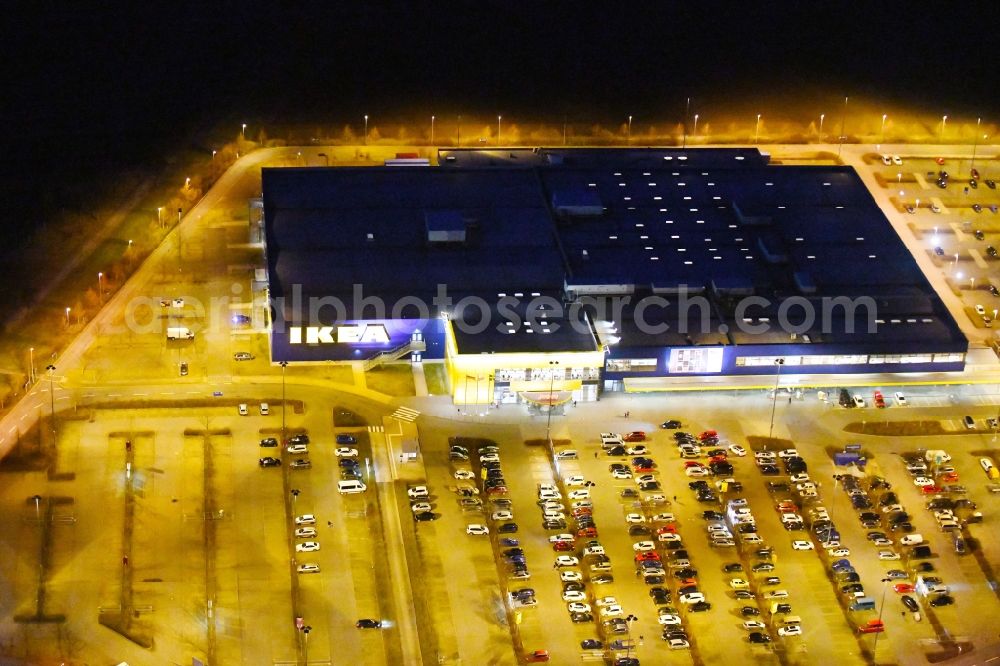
(903, 614)
(675, 498)
(595, 455)
(329, 523)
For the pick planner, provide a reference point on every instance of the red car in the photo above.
(708, 434)
(648, 556)
(582, 511)
(930, 490)
(872, 627)
(669, 528)
(949, 477)
(587, 532)
(645, 469)
(636, 436)
(562, 546)
(718, 459)
(975, 174)
(903, 588)
(879, 399)
(940, 160)
(537, 656)
(692, 463)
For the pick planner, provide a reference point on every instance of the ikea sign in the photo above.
(328, 335)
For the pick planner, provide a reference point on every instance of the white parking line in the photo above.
(194, 392)
(978, 258)
(167, 393)
(140, 394)
(114, 395)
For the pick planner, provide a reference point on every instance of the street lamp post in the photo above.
(695, 132)
(100, 288)
(552, 380)
(629, 619)
(159, 216)
(565, 123)
(822, 117)
(31, 364)
(778, 362)
(499, 118)
(67, 316)
(243, 132)
(52, 400)
(432, 130)
(944, 121)
(843, 122)
(283, 365)
(975, 144)
(881, 133)
(366, 129)
(885, 585)
(295, 496)
(756, 130)
(305, 643)
(628, 131)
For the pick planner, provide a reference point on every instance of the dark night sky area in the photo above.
(104, 89)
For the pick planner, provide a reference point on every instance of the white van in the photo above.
(179, 333)
(912, 539)
(351, 487)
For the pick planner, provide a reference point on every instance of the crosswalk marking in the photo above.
(406, 414)
(376, 428)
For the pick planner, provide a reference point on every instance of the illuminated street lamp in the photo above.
(881, 139)
(187, 183)
(975, 144)
(628, 131)
(944, 120)
(885, 585)
(432, 130)
(822, 117)
(67, 316)
(366, 129)
(213, 154)
(159, 216)
(31, 364)
(756, 130)
(695, 132)
(687, 112)
(52, 399)
(778, 362)
(100, 288)
(499, 118)
(244, 131)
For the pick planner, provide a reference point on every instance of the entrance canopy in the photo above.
(547, 398)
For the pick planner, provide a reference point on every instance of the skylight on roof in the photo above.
(612, 237)
(639, 225)
(687, 198)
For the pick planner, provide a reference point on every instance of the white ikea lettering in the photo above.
(351, 334)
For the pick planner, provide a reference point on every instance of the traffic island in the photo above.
(904, 429)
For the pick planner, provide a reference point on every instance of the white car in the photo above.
(754, 625)
(668, 536)
(923, 481)
(605, 601)
(900, 399)
(577, 480)
(578, 607)
(697, 472)
(799, 478)
(776, 594)
(886, 160)
(547, 487)
(611, 438)
(621, 474)
(614, 610)
(663, 518)
(307, 547)
(593, 550)
(888, 555)
(417, 492)
(582, 504)
(264, 409)
(244, 411)
(691, 598)
(503, 514)
(463, 474)
(858, 401)
(566, 561)
(477, 530)
(669, 619)
(308, 568)
(897, 160)
(987, 466)
(568, 454)
(570, 576)
(645, 478)
(739, 584)
(489, 457)
(549, 495)
(892, 508)
(678, 644)
(737, 450)
(980, 310)
(788, 453)
(561, 537)
(639, 450)
(790, 630)
(574, 595)
(655, 498)
(305, 533)
(579, 494)
(643, 546)
(305, 519)
(297, 448)
(345, 452)
(802, 545)
(839, 552)
(420, 507)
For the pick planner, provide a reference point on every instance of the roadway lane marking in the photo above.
(978, 258)
(921, 181)
(167, 393)
(24, 417)
(944, 209)
(114, 395)
(140, 394)
(193, 392)
(959, 234)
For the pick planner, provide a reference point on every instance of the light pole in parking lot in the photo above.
(944, 121)
(283, 365)
(778, 362)
(499, 118)
(52, 400)
(881, 132)
(629, 619)
(432, 130)
(552, 381)
(885, 586)
(756, 130)
(694, 132)
(822, 117)
(628, 131)
(366, 129)
(975, 144)
(100, 288)
(305, 643)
